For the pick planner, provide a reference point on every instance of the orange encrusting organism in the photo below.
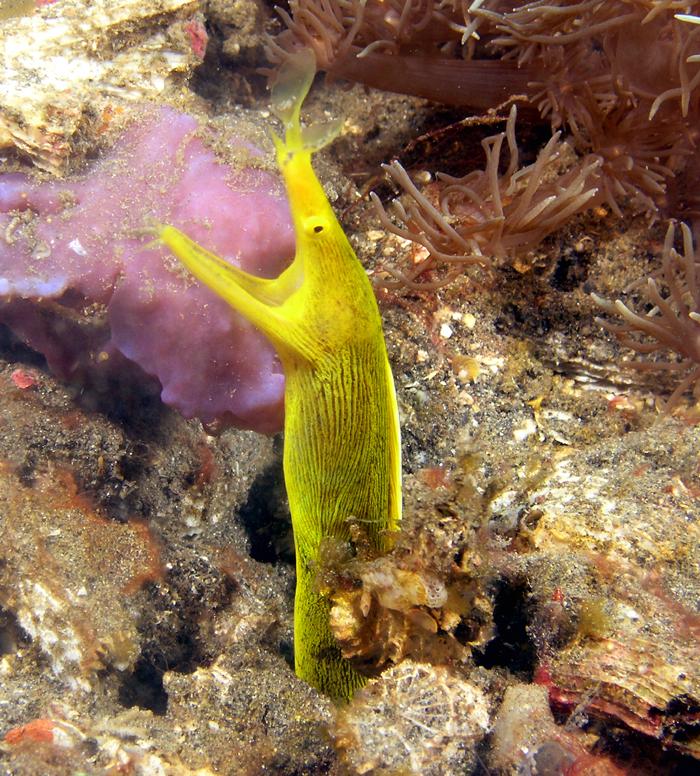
(342, 459)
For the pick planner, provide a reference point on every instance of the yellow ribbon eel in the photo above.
(342, 459)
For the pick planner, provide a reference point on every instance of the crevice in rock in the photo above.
(512, 647)
(143, 687)
(265, 514)
(10, 634)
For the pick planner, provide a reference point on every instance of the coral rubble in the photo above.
(116, 633)
(69, 564)
(65, 68)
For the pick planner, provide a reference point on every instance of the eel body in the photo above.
(341, 442)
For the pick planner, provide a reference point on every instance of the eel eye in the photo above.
(315, 226)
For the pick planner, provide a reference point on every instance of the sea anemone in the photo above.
(340, 29)
(484, 214)
(618, 79)
(557, 52)
(671, 320)
(408, 46)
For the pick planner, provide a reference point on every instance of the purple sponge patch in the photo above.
(79, 283)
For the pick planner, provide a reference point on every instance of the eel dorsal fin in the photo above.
(288, 93)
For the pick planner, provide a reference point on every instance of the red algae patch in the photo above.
(70, 574)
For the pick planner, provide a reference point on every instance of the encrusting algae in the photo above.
(342, 447)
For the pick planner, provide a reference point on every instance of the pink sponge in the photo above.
(79, 285)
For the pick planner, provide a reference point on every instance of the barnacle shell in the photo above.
(409, 603)
(393, 613)
(64, 66)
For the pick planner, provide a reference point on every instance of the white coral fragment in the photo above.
(415, 718)
(61, 67)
